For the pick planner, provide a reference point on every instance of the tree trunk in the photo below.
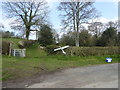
(77, 25)
(77, 39)
(36, 35)
(10, 49)
(76, 31)
(27, 34)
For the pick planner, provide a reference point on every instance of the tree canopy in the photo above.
(76, 13)
(27, 15)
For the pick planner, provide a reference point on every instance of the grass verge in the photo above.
(37, 61)
(15, 67)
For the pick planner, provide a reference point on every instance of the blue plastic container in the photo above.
(108, 59)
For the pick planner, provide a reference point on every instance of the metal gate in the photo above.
(19, 52)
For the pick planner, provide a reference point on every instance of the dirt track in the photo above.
(97, 76)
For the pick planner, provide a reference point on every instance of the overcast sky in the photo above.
(108, 9)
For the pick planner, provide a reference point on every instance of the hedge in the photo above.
(50, 49)
(92, 51)
(84, 51)
(25, 43)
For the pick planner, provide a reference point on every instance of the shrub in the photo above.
(5, 47)
(50, 49)
(7, 34)
(88, 51)
(26, 43)
(67, 40)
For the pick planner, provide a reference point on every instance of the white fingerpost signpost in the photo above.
(62, 48)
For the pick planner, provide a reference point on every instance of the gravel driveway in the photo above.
(97, 76)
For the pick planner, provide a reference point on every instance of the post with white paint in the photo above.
(10, 49)
(23, 52)
(14, 52)
(62, 48)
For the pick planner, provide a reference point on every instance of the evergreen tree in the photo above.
(46, 36)
(108, 37)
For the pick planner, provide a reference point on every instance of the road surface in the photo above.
(96, 76)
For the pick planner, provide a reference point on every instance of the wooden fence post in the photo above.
(10, 49)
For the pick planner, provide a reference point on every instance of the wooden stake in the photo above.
(10, 49)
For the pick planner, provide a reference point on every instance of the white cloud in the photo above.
(104, 20)
(101, 19)
(61, 0)
(6, 22)
(53, 0)
(60, 31)
(116, 4)
(50, 4)
(83, 0)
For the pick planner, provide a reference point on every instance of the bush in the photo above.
(7, 34)
(50, 49)
(5, 47)
(92, 51)
(67, 40)
(25, 43)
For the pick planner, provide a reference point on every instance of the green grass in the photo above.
(15, 67)
(0, 67)
(37, 61)
(14, 40)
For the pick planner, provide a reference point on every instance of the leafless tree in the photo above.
(26, 14)
(96, 28)
(1, 27)
(112, 24)
(119, 17)
(75, 14)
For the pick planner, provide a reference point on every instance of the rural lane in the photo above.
(96, 76)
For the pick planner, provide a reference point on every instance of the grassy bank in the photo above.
(0, 61)
(37, 61)
(14, 68)
(13, 40)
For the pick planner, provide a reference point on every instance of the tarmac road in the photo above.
(97, 76)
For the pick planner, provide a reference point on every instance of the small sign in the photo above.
(108, 59)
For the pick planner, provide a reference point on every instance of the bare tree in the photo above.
(112, 24)
(75, 14)
(96, 28)
(27, 14)
(1, 27)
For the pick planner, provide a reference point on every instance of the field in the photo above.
(37, 61)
